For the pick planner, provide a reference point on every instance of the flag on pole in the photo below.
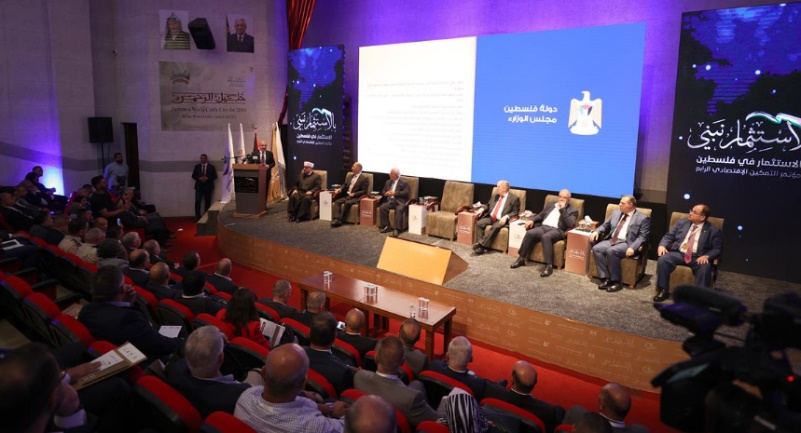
(228, 170)
(242, 153)
(278, 180)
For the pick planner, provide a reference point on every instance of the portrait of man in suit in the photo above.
(240, 41)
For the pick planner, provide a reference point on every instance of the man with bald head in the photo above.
(138, 262)
(277, 407)
(549, 227)
(395, 194)
(410, 400)
(409, 334)
(354, 321)
(221, 278)
(159, 283)
(524, 379)
(614, 403)
(370, 414)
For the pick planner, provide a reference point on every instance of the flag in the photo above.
(228, 170)
(278, 180)
(242, 153)
(255, 140)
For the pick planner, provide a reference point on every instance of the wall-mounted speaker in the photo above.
(201, 34)
(100, 130)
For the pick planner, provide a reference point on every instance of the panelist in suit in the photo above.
(627, 230)
(204, 175)
(550, 226)
(240, 42)
(352, 190)
(394, 195)
(693, 241)
(502, 207)
(262, 156)
(302, 194)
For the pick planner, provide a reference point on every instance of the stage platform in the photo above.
(563, 319)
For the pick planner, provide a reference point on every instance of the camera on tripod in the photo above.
(708, 392)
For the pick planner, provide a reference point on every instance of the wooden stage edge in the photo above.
(630, 360)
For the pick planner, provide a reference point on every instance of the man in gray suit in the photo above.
(496, 214)
(409, 334)
(627, 230)
(409, 400)
(614, 403)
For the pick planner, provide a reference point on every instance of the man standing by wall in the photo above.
(204, 175)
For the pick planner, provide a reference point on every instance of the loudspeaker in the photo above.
(201, 34)
(420, 261)
(100, 130)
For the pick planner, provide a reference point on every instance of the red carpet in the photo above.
(555, 384)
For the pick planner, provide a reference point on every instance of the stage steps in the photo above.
(207, 224)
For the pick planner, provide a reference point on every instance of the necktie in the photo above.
(262, 157)
(497, 209)
(688, 255)
(203, 171)
(618, 228)
(240, 39)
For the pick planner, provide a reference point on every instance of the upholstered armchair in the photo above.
(631, 268)
(501, 241)
(353, 213)
(414, 185)
(443, 222)
(683, 274)
(315, 209)
(537, 254)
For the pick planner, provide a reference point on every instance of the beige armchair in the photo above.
(414, 185)
(537, 254)
(315, 208)
(631, 269)
(353, 213)
(684, 274)
(501, 241)
(443, 222)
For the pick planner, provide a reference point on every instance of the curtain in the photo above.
(298, 17)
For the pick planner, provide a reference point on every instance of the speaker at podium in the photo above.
(420, 261)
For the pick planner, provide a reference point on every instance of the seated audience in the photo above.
(194, 297)
(138, 218)
(524, 379)
(138, 262)
(322, 333)
(282, 291)
(315, 303)
(354, 321)
(409, 334)
(88, 250)
(592, 422)
(241, 314)
(460, 354)
(153, 248)
(43, 228)
(111, 253)
(370, 414)
(103, 204)
(28, 252)
(189, 263)
(102, 224)
(50, 193)
(277, 406)
(221, 278)
(464, 415)
(76, 229)
(131, 241)
(614, 403)
(197, 375)
(18, 219)
(110, 317)
(409, 400)
(159, 283)
(115, 232)
(31, 195)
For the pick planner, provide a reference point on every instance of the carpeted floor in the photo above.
(563, 294)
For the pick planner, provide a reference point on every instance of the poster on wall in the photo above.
(316, 88)
(736, 142)
(174, 35)
(236, 33)
(205, 97)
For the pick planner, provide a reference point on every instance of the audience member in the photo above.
(115, 232)
(409, 334)
(153, 248)
(322, 333)
(110, 317)
(194, 297)
(277, 406)
(221, 278)
(315, 303)
(159, 283)
(27, 252)
(103, 204)
(464, 415)
(370, 414)
(102, 224)
(592, 422)
(76, 229)
(17, 219)
(243, 317)
(614, 403)
(138, 262)
(111, 253)
(197, 375)
(131, 241)
(43, 229)
(88, 250)
(282, 291)
(354, 321)
(460, 354)
(410, 400)
(138, 218)
(189, 263)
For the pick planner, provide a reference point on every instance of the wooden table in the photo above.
(388, 304)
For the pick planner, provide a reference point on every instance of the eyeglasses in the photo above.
(692, 211)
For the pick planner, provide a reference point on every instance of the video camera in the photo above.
(708, 392)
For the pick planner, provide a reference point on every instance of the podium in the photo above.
(250, 185)
(466, 227)
(578, 250)
(326, 205)
(367, 211)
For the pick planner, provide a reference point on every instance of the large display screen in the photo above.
(545, 110)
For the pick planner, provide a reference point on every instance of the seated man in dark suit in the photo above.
(693, 241)
(614, 404)
(460, 354)
(138, 261)
(221, 278)
(322, 333)
(28, 252)
(524, 378)
(153, 248)
(395, 194)
(159, 283)
(315, 303)
(354, 321)
(349, 194)
(43, 228)
(496, 214)
(409, 334)
(110, 317)
(16, 218)
(189, 263)
(282, 291)
(194, 297)
(197, 375)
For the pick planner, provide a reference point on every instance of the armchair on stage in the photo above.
(414, 184)
(631, 268)
(442, 223)
(683, 274)
(559, 246)
(353, 214)
(315, 209)
(501, 241)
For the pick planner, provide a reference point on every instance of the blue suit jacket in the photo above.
(710, 243)
(637, 233)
